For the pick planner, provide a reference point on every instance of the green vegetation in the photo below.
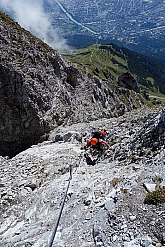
(94, 28)
(150, 80)
(150, 72)
(115, 181)
(71, 26)
(157, 180)
(155, 197)
(110, 61)
(7, 19)
(100, 60)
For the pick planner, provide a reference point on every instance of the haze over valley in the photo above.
(138, 25)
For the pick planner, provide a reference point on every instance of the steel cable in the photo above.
(62, 205)
(60, 212)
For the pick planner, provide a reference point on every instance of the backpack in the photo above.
(103, 133)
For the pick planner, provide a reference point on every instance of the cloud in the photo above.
(31, 16)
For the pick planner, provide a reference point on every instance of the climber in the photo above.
(96, 142)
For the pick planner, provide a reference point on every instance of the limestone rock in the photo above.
(126, 80)
(39, 91)
(150, 187)
(162, 185)
(97, 211)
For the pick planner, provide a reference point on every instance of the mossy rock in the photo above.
(115, 181)
(157, 179)
(155, 197)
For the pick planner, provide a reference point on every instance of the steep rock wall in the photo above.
(39, 90)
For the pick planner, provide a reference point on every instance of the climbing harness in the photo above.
(62, 204)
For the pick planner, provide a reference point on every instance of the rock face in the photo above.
(126, 80)
(105, 203)
(39, 91)
(152, 134)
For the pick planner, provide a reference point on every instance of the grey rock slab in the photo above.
(91, 196)
(162, 184)
(149, 187)
(146, 241)
(110, 206)
(132, 217)
(133, 243)
(163, 237)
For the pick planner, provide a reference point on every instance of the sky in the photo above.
(31, 16)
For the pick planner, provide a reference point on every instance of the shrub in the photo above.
(115, 181)
(155, 197)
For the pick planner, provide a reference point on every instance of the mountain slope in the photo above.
(39, 90)
(105, 203)
(108, 61)
(146, 67)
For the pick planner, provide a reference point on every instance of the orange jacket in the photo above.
(94, 142)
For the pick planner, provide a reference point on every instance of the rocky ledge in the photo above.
(110, 204)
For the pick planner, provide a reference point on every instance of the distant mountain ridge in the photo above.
(107, 61)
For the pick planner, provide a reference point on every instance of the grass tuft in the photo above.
(155, 197)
